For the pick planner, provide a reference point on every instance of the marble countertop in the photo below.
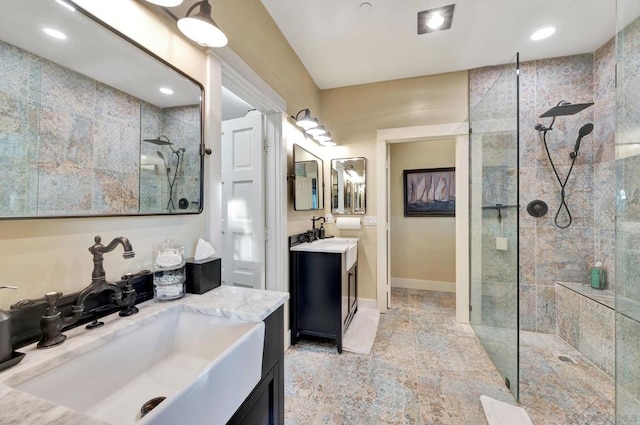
(331, 245)
(17, 407)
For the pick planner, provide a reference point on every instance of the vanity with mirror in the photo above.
(92, 124)
(309, 181)
(348, 185)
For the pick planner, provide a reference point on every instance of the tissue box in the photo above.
(203, 275)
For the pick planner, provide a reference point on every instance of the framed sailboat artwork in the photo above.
(430, 192)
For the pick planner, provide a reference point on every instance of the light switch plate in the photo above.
(329, 218)
(371, 220)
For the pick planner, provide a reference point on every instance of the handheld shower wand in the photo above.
(584, 131)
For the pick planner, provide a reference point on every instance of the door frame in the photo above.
(460, 132)
(226, 68)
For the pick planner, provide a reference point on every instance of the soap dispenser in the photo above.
(6, 350)
(597, 276)
(321, 232)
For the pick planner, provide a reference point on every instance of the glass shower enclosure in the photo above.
(627, 284)
(494, 198)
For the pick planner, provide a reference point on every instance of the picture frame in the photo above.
(429, 192)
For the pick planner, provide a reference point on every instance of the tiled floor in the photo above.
(562, 393)
(425, 368)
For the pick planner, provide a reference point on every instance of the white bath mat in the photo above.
(362, 331)
(501, 413)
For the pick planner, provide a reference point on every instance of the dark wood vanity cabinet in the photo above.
(265, 404)
(324, 295)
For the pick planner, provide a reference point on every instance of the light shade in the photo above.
(166, 3)
(306, 121)
(322, 138)
(329, 142)
(316, 131)
(201, 28)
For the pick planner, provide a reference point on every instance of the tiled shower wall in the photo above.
(181, 125)
(69, 145)
(547, 253)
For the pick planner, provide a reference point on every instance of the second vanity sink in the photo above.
(349, 246)
(204, 365)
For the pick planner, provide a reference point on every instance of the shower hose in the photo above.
(563, 184)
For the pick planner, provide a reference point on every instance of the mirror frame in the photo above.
(334, 185)
(320, 172)
(202, 148)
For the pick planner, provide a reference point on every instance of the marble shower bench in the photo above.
(586, 320)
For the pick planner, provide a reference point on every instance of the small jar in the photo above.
(169, 284)
(169, 274)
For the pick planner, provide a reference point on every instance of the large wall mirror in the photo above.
(309, 182)
(348, 186)
(91, 124)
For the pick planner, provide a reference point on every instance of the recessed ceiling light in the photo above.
(166, 90)
(437, 19)
(54, 33)
(67, 5)
(166, 3)
(365, 7)
(543, 33)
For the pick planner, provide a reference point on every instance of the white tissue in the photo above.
(203, 250)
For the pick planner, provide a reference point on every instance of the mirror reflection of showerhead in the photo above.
(584, 131)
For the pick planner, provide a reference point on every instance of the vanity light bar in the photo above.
(312, 128)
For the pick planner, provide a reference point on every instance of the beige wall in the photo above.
(355, 113)
(422, 248)
(255, 37)
(45, 255)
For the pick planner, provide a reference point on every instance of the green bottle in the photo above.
(597, 276)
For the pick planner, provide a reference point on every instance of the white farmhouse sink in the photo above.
(349, 246)
(351, 255)
(205, 365)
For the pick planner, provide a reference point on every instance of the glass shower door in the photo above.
(493, 215)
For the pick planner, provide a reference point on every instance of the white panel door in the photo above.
(243, 209)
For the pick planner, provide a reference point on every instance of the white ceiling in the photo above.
(340, 46)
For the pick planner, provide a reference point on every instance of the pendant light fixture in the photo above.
(305, 122)
(316, 131)
(201, 28)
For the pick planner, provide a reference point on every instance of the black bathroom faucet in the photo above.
(53, 322)
(312, 234)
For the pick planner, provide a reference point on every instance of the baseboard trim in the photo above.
(287, 339)
(426, 285)
(367, 303)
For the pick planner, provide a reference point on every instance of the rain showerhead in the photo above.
(160, 140)
(565, 108)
